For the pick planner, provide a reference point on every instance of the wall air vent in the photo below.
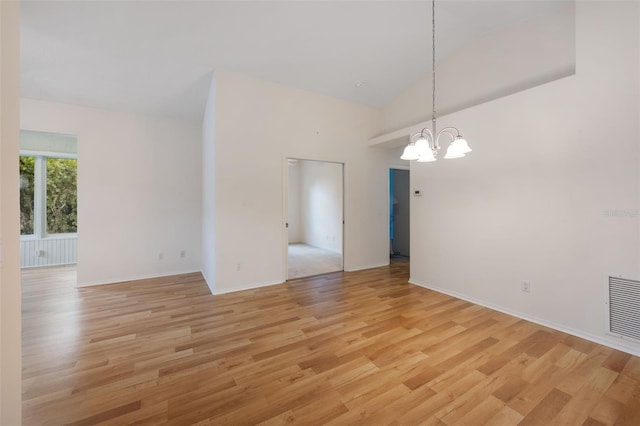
(624, 308)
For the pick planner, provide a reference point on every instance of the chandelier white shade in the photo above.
(423, 146)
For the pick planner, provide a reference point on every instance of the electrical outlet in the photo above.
(526, 286)
(160, 256)
(183, 253)
(239, 266)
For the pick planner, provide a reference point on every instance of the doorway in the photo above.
(399, 218)
(314, 217)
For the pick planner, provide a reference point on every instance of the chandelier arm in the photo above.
(424, 132)
(446, 131)
(428, 134)
(449, 131)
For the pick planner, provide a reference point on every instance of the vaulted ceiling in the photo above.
(157, 56)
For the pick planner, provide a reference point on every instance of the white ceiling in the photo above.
(157, 57)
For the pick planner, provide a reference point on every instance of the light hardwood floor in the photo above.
(345, 348)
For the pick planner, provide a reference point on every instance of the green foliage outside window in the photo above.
(62, 196)
(27, 166)
(61, 192)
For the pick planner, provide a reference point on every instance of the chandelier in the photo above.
(424, 145)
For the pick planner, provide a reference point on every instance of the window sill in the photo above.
(48, 237)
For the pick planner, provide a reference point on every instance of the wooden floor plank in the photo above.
(360, 347)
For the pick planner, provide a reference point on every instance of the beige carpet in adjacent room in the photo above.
(306, 260)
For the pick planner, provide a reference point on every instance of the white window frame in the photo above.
(40, 192)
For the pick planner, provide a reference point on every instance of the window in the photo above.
(48, 195)
(62, 195)
(27, 194)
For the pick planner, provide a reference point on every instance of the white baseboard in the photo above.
(247, 287)
(269, 283)
(135, 278)
(362, 268)
(624, 346)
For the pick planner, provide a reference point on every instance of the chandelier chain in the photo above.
(433, 63)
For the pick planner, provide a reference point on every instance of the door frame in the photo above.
(389, 168)
(285, 209)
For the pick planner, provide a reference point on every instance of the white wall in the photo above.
(500, 63)
(139, 190)
(533, 200)
(321, 204)
(259, 125)
(293, 202)
(10, 305)
(208, 189)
